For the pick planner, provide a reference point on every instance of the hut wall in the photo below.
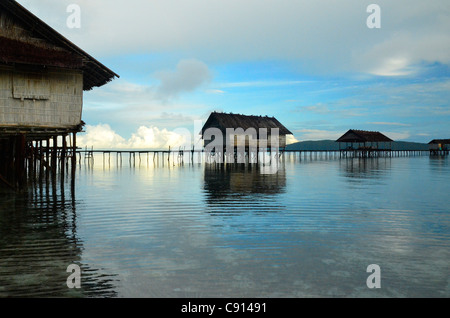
(249, 141)
(238, 138)
(434, 146)
(282, 141)
(50, 98)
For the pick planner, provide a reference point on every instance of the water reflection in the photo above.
(241, 180)
(172, 230)
(365, 168)
(38, 241)
(439, 163)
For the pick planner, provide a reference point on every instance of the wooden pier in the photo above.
(154, 155)
(201, 156)
(355, 153)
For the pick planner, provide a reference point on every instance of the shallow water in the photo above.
(196, 230)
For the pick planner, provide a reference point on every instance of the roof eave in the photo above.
(36, 25)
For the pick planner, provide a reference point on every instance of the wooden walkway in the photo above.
(153, 154)
(182, 154)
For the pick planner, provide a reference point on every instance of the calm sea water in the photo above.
(195, 230)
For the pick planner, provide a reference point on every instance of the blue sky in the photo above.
(314, 65)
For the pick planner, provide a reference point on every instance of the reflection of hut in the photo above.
(439, 146)
(241, 130)
(241, 180)
(42, 79)
(364, 143)
(356, 169)
(39, 241)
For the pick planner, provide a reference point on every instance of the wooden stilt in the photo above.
(63, 158)
(74, 153)
(41, 163)
(54, 155)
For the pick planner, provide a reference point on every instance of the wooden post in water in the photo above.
(63, 157)
(54, 155)
(41, 163)
(74, 153)
(47, 158)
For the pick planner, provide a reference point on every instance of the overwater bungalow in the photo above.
(42, 79)
(252, 133)
(364, 143)
(439, 146)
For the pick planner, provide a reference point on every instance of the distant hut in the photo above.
(364, 143)
(439, 146)
(258, 131)
(42, 79)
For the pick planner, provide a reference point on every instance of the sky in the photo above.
(320, 67)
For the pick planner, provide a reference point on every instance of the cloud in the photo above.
(321, 35)
(251, 43)
(319, 108)
(335, 108)
(188, 76)
(290, 139)
(397, 135)
(102, 136)
(266, 83)
(423, 134)
(393, 66)
(413, 36)
(154, 138)
(388, 123)
(215, 91)
(317, 134)
(139, 102)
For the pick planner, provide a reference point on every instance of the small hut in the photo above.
(243, 130)
(439, 146)
(42, 79)
(362, 139)
(362, 143)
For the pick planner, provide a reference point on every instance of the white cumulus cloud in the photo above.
(102, 136)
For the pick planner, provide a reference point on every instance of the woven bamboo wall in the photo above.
(40, 99)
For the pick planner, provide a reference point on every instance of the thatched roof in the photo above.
(354, 135)
(440, 141)
(58, 51)
(224, 121)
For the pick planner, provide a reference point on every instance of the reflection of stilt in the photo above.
(74, 163)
